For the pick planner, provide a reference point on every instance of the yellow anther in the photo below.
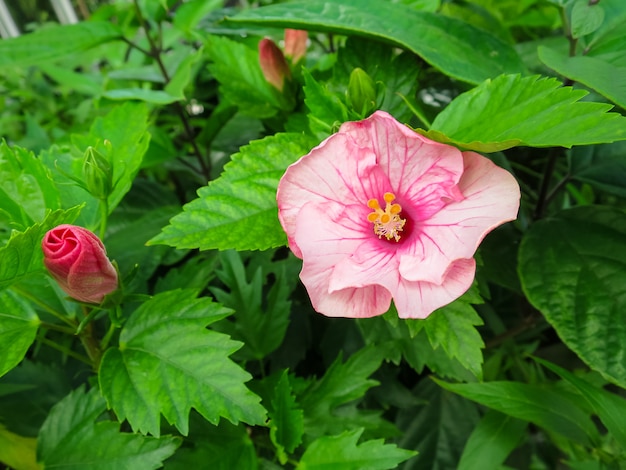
(387, 223)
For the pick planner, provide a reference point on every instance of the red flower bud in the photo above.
(77, 260)
(273, 64)
(295, 44)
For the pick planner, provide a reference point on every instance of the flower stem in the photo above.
(542, 200)
(64, 350)
(104, 214)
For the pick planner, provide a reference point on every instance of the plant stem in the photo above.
(64, 350)
(155, 53)
(55, 327)
(43, 306)
(542, 200)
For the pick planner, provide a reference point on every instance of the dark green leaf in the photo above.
(141, 94)
(573, 269)
(55, 42)
(543, 405)
(437, 429)
(326, 111)
(586, 18)
(470, 54)
(343, 452)
(189, 367)
(602, 166)
(238, 210)
(73, 437)
(492, 441)
(610, 408)
(18, 326)
(286, 419)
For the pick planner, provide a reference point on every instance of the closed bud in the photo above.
(77, 260)
(361, 92)
(97, 174)
(295, 44)
(273, 64)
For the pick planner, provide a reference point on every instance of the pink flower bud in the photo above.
(295, 44)
(77, 260)
(273, 64)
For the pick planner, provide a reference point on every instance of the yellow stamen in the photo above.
(387, 223)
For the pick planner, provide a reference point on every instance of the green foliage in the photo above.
(261, 318)
(286, 419)
(55, 42)
(74, 436)
(470, 54)
(22, 256)
(525, 111)
(167, 335)
(238, 210)
(343, 451)
(18, 326)
(544, 405)
(572, 270)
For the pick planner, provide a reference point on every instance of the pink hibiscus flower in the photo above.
(378, 212)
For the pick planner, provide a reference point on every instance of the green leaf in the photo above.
(260, 321)
(573, 269)
(342, 451)
(324, 402)
(236, 67)
(533, 111)
(586, 18)
(610, 408)
(326, 111)
(438, 428)
(453, 328)
(126, 127)
(181, 78)
(189, 367)
(223, 447)
(189, 14)
(73, 437)
(26, 187)
(238, 210)
(470, 55)
(593, 72)
(286, 419)
(492, 441)
(22, 255)
(141, 94)
(18, 326)
(55, 42)
(546, 406)
(602, 166)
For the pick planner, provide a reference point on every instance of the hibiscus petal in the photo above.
(420, 299)
(336, 170)
(415, 165)
(327, 234)
(491, 197)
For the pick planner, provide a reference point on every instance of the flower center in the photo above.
(387, 223)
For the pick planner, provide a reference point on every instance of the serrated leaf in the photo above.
(238, 210)
(343, 451)
(236, 67)
(26, 186)
(593, 72)
(341, 384)
(54, 42)
(436, 429)
(513, 110)
(542, 404)
(73, 437)
(453, 328)
(610, 408)
(573, 269)
(22, 255)
(492, 441)
(18, 326)
(189, 365)
(260, 321)
(471, 54)
(286, 419)
(326, 111)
